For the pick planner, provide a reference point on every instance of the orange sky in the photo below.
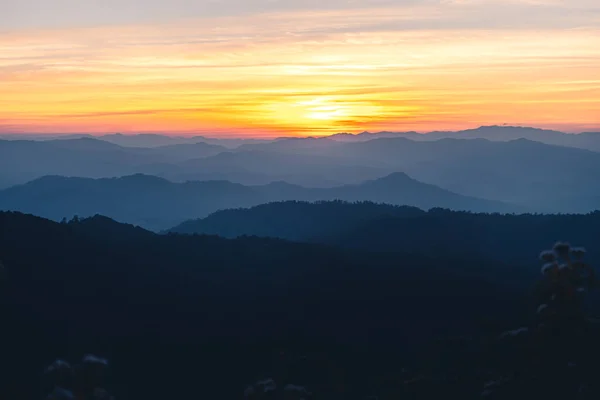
(419, 66)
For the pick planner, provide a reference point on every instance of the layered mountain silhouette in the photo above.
(156, 140)
(322, 221)
(168, 306)
(382, 227)
(257, 167)
(584, 140)
(534, 175)
(544, 177)
(156, 203)
(22, 161)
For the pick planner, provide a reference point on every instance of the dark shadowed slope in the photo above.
(184, 311)
(156, 203)
(381, 227)
(294, 220)
(500, 237)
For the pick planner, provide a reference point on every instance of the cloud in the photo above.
(61, 13)
(387, 64)
(32, 14)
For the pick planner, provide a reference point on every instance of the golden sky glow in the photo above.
(416, 66)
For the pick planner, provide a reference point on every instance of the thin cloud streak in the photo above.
(311, 70)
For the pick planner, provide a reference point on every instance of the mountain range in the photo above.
(545, 178)
(530, 174)
(24, 160)
(158, 204)
(386, 228)
(583, 140)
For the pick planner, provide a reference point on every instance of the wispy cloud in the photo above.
(272, 67)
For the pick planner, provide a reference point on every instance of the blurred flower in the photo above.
(58, 365)
(548, 256)
(267, 385)
(562, 249)
(259, 388)
(59, 375)
(547, 268)
(578, 252)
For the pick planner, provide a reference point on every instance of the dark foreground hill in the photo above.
(299, 221)
(201, 317)
(158, 204)
(382, 227)
(184, 312)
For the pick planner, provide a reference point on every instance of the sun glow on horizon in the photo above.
(317, 72)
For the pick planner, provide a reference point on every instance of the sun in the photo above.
(324, 109)
(326, 113)
(319, 113)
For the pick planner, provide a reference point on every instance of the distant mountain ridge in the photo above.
(496, 133)
(540, 177)
(25, 160)
(145, 140)
(545, 178)
(586, 140)
(157, 203)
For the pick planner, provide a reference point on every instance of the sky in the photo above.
(297, 67)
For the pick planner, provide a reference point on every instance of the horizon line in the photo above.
(194, 134)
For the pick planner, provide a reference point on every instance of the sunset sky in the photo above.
(297, 67)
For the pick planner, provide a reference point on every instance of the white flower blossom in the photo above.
(548, 256)
(562, 248)
(547, 268)
(578, 252)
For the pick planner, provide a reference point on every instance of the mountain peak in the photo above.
(393, 178)
(143, 178)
